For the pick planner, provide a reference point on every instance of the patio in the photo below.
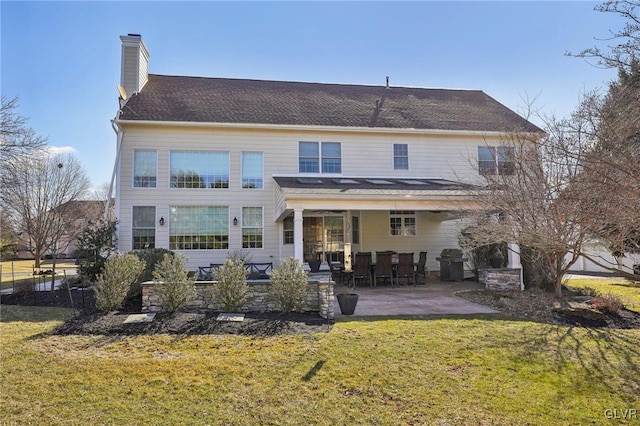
(433, 298)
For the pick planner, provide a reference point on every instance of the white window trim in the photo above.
(241, 167)
(403, 216)
(205, 151)
(242, 227)
(320, 170)
(133, 170)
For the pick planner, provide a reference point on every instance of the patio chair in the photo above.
(362, 269)
(204, 274)
(422, 269)
(406, 268)
(384, 267)
(336, 271)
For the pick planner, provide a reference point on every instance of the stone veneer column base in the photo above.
(500, 279)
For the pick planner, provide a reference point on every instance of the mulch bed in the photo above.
(92, 322)
(543, 307)
(526, 305)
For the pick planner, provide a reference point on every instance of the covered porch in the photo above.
(333, 218)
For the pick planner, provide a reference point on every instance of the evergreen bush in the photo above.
(174, 287)
(231, 287)
(289, 285)
(120, 272)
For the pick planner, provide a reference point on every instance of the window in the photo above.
(252, 227)
(400, 156)
(287, 230)
(199, 228)
(355, 230)
(252, 170)
(320, 157)
(495, 160)
(144, 169)
(402, 222)
(192, 169)
(144, 228)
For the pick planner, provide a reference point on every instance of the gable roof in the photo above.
(223, 100)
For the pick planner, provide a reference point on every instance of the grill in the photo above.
(451, 265)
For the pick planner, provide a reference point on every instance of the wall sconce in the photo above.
(161, 221)
(235, 221)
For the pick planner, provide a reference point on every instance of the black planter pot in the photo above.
(347, 303)
(314, 265)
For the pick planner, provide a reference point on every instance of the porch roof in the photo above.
(371, 193)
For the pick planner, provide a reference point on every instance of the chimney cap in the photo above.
(134, 35)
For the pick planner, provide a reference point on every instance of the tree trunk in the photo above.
(53, 273)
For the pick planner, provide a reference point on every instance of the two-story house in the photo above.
(206, 166)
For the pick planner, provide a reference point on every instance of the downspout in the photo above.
(118, 130)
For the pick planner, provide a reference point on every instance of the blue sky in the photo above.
(63, 58)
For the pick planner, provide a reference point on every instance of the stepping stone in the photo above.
(138, 318)
(230, 317)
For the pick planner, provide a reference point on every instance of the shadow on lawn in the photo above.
(607, 356)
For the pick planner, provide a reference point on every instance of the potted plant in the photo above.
(314, 262)
(497, 258)
(347, 300)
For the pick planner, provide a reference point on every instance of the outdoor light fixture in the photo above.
(235, 221)
(161, 221)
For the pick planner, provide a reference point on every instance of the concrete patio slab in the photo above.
(433, 298)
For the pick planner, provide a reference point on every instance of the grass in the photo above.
(15, 272)
(625, 289)
(387, 371)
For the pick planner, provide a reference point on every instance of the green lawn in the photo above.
(626, 290)
(389, 371)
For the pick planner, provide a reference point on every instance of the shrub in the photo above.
(95, 244)
(120, 272)
(242, 255)
(151, 257)
(175, 288)
(289, 285)
(24, 288)
(231, 289)
(607, 303)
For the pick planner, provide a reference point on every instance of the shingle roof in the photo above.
(223, 100)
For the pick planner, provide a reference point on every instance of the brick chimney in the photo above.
(135, 63)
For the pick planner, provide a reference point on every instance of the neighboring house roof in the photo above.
(224, 100)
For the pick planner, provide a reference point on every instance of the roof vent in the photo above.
(387, 83)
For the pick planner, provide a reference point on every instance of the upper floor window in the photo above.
(402, 222)
(400, 156)
(144, 227)
(252, 227)
(495, 160)
(252, 170)
(144, 168)
(199, 169)
(320, 157)
(199, 227)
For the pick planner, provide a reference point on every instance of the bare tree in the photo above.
(609, 188)
(624, 44)
(525, 198)
(17, 139)
(37, 191)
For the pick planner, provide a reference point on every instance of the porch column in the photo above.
(513, 262)
(298, 248)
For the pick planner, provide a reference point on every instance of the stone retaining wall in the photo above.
(500, 279)
(319, 297)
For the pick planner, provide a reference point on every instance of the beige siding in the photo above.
(368, 154)
(130, 73)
